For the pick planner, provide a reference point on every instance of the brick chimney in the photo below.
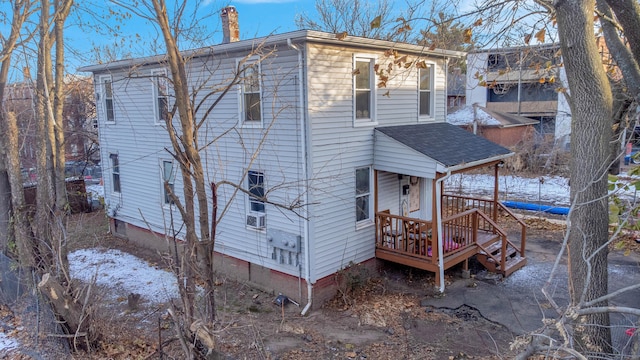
(230, 27)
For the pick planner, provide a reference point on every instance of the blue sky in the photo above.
(262, 17)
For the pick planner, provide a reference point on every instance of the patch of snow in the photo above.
(464, 116)
(7, 342)
(114, 268)
(552, 189)
(95, 191)
(543, 189)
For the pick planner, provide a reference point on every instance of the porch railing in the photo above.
(454, 204)
(403, 235)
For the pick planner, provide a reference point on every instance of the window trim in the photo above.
(104, 79)
(114, 162)
(242, 113)
(166, 201)
(373, 88)
(432, 97)
(156, 76)
(369, 219)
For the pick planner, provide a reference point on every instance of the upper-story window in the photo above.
(160, 96)
(364, 89)
(425, 92)
(251, 94)
(107, 98)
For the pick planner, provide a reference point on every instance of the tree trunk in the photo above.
(65, 307)
(18, 16)
(45, 193)
(591, 109)
(22, 230)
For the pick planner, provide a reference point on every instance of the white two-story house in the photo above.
(308, 124)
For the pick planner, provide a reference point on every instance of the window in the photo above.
(363, 194)
(256, 188)
(160, 96)
(107, 94)
(425, 91)
(251, 113)
(364, 89)
(115, 172)
(169, 177)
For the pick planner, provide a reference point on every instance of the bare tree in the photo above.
(11, 191)
(376, 20)
(585, 325)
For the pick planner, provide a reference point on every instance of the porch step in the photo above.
(513, 261)
(512, 264)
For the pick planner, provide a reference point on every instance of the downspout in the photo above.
(439, 227)
(303, 137)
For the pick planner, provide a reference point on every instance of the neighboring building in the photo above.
(81, 131)
(501, 128)
(308, 124)
(522, 81)
(456, 90)
(19, 99)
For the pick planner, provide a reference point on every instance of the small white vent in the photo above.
(256, 221)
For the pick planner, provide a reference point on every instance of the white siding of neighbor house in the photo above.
(338, 148)
(140, 145)
(476, 63)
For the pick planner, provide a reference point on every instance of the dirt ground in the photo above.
(375, 316)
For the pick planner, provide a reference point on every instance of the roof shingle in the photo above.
(445, 143)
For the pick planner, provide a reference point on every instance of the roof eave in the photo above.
(299, 35)
(441, 168)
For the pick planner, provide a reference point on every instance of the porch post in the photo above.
(434, 211)
(495, 192)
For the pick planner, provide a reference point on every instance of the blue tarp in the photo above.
(559, 210)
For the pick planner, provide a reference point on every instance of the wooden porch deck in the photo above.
(467, 231)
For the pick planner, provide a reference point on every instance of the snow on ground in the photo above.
(117, 269)
(545, 189)
(7, 343)
(552, 190)
(95, 193)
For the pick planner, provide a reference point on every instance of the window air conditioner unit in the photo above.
(256, 221)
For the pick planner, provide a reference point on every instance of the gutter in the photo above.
(305, 35)
(303, 137)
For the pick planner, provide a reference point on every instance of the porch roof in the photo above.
(445, 143)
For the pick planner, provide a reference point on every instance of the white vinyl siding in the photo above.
(338, 147)
(335, 148)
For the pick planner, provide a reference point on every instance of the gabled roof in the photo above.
(445, 143)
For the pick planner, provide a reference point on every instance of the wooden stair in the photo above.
(490, 256)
